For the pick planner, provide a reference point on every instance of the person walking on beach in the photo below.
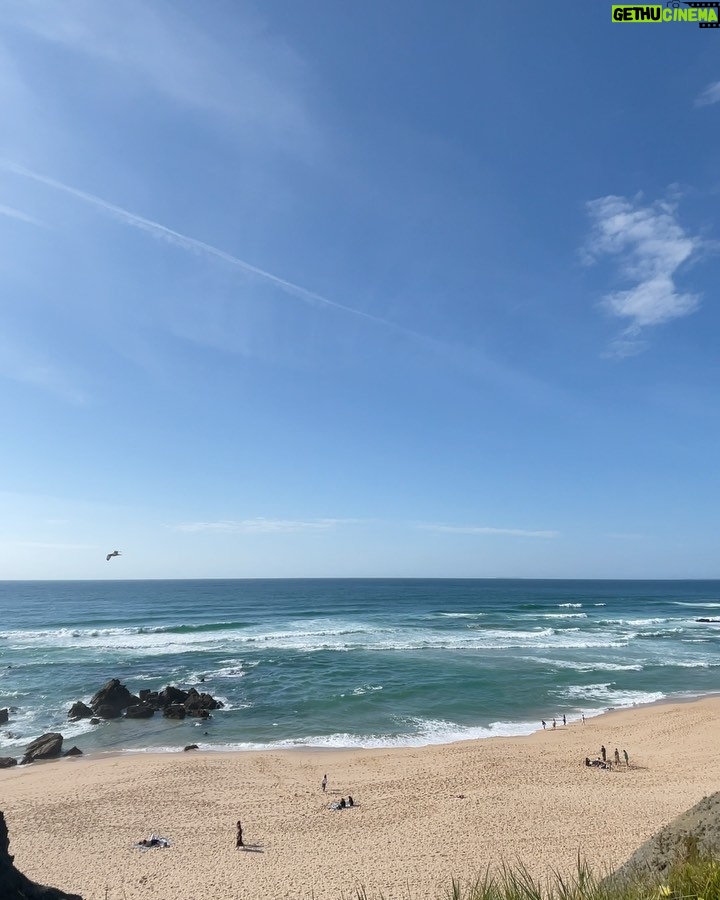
(582, 715)
(554, 723)
(238, 838)
(564, 719)
(625, 754)
(617, 757)
(544, 724)
(603, 753)
(323, 783)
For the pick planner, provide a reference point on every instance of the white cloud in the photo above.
(262, 526)
(710, 95)
(260, 88)
(484, 530)
(13, 213)
(650, 246)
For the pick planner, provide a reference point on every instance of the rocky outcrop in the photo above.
(191, 747)
(80, 711)
(16, 886)
(695, 832)
(140, 711)
(47, 746)
(7, 761)
(4, 715)
(112, 700)
(198, 704)
(73, 751)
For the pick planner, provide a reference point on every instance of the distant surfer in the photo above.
(110, 555)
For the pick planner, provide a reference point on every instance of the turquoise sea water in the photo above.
(349, 663)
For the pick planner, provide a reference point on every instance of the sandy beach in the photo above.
(424, 815)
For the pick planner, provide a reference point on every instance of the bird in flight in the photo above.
(110, 555)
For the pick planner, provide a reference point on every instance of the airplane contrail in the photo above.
(475, 361)
(162, 232)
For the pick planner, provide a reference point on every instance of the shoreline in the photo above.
(309, 748)
(425, 814)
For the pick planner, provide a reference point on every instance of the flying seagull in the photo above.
(110, 555)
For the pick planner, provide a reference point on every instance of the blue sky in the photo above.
(357, 290)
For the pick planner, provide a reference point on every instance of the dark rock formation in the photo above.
(695, 832)
(4, 715)
(16, 886)
(73, 751)
(708, 620)
(112, 699)
(46, 746)
(171, 695)
(79, 711)
(7, 761)
(140, 711)
(191, 747)
(198, 704)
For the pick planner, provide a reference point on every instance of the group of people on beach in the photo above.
(602, 761)
(342, 803)
(564, 721)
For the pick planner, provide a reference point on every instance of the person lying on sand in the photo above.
(153, 841)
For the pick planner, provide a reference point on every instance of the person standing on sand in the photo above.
(603, 753)
(617, 757)
(323, 783)
(544, 724)
(625, 754)
(564, 719)
(554, 724)
(583, 717)
(238, 837)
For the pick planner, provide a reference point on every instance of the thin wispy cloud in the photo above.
(25, 366)
(259, 90)
(48, 545)
(185, 242)
(649, 246)
(486, 530)
(710, 95)
(11, 213)
(262, 526)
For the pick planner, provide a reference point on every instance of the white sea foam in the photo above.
(591, 666)
(608, 695)
(462, 615)
(425, 733)
(574, 605)
(702, 605)
(343, 637)
(563, 616)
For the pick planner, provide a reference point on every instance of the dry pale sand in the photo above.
(425, 815)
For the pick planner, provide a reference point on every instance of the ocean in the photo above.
(348, 663)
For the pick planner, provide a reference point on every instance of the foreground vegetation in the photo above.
(692, 877)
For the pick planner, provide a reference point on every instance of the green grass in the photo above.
(692, 877)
